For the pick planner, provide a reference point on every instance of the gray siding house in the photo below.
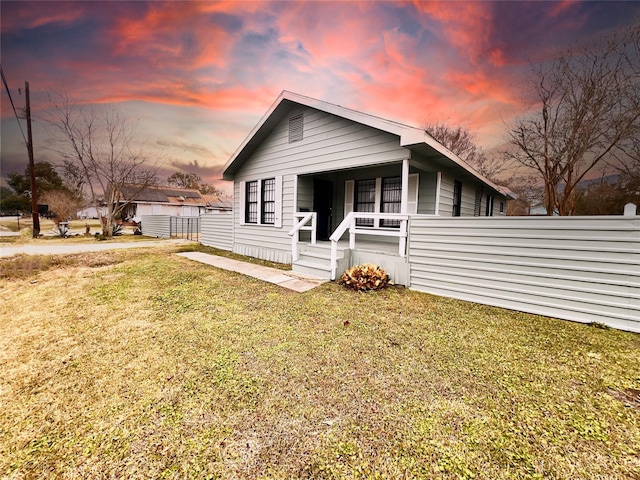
(325, 187)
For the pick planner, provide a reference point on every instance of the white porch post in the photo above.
(405, 186)
(438, 187)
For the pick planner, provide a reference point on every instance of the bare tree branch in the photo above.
(102, 146)
(587, 115)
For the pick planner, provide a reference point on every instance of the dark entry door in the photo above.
(322, 204)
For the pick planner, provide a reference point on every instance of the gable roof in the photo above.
(409, 136)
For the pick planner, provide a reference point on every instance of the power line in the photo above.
(4, 80)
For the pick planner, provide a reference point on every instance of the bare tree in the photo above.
(462, 142)
(62, 203)
(102, 145)
(587, 113)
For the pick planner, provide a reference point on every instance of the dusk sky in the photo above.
(199, 75)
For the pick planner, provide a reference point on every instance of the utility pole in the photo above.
(32, 169)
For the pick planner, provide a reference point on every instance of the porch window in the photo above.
(269, 201)
(489, 211)
(457, 197)
(391, 200)
(365, 200)
(477, 203)
(251, 209)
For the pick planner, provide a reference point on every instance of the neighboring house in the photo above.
(358, 173)
(88, 212)
(170, 201)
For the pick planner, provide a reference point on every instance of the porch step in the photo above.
(316, 260)
(320, 270)
(322, 249)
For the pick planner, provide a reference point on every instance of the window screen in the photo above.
(269, 201)
(251, 210)
(365, 200)
(391, 200)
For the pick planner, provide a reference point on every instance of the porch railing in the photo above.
(349, 223)
(303, 219)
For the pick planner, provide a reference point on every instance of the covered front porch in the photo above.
(361, 214)
(343, 218)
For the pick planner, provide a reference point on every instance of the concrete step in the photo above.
(322, 249)
(319, 257)
(321, 270)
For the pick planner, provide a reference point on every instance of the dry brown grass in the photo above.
(147, 365)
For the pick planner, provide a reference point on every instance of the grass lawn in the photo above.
(77, 232)
(142, 364)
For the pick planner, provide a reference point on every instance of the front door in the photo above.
(322, 205)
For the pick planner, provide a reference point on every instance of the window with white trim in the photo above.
(251, 202)
(261, 202)
(380, 195)
(268, 206)
(391, 201)
(365, 200)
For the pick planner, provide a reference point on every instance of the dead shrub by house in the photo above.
(365, 277)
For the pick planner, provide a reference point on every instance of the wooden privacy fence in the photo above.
(585, 269)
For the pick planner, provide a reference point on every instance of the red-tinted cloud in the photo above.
(203, 73)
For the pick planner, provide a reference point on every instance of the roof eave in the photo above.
(408, 135)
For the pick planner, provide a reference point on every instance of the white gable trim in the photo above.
(409, 136)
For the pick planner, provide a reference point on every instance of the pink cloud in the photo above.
(17, 17)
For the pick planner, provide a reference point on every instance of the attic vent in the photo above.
(295, 128)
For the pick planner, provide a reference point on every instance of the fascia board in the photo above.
(408, 135)
(421, 136)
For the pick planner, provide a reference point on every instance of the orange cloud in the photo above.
(466, 25)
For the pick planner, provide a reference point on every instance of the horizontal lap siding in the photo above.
(217, 230)
(266, 241)
(330, 143)
(581, 268)
(156, 226)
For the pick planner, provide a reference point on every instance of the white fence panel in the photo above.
(156, 226)
(217, 230)
(585, 269)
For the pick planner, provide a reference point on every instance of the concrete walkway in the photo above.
(295, 281)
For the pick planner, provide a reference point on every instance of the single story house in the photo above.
(159, 200)
(311, 177)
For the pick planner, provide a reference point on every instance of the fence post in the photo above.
(630, 210)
